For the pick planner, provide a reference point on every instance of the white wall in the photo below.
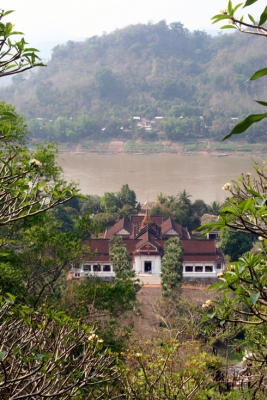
(203, 274)
(138, 266)
(139, 263)
(80, 273)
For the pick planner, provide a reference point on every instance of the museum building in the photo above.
(144, 237)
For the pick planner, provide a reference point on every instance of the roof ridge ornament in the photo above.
(147, 219)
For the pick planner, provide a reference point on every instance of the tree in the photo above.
(172, 266)
(255, 28)
(120, 259)
(30, 182)
(109, 202)
(126, 196)
(45, 354)
(234, 244)
(15, 56)
(245, 210)
(242, 284)
(214, 208)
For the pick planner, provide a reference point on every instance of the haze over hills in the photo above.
(93, 89)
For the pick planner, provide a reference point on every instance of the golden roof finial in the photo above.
(147, 219)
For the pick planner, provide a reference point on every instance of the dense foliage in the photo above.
(93, 89)
(172, 266)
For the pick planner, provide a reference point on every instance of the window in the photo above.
(219, 266)
(87, 267)
(96, 268)
(213, 236)
(106, 268)
(77, 275)
(188, 268)
(208, 268)
(198, 268)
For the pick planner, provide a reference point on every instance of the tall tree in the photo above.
(126, 196)
(120, 259)
(172, 266)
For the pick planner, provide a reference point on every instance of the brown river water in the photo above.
(202, 176)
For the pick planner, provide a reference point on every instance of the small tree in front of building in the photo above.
(172, 266)
(120, 259)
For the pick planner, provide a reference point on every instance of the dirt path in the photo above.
(147, 324)
(148, 285)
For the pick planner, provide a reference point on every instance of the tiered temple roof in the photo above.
(145, 235)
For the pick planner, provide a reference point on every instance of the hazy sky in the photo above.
(62, 20)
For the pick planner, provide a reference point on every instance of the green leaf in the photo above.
(241, 269)
(249, 2)
(2, 355)
(246, 205)
(32, 49)
(215, 286)
(245, 124)
(236, 7)
(252, 19)
(259, 74)
(263, 17)
(253, 192)
(254, 297)
(230, 7)
(263, 103)
(7, 12)
(228, 27)
(220, 17)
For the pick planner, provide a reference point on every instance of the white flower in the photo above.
(100, 341)
(208, 304)
(93, 337)
(35, 163)
(226, 186)
(261, 239)
(220, 274)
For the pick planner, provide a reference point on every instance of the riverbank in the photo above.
(204, 147)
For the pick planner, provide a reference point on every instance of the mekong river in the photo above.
(202, 176)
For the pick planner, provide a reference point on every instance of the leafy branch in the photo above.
(255, 28)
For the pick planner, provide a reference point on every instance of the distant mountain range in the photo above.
(198, 83)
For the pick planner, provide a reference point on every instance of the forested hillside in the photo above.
(92, 90)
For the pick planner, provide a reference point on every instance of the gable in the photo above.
(171, 232)
(148, 247)
(123, 232)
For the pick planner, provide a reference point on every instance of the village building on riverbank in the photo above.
(144, 238)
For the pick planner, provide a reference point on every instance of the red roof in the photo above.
(194, 250)
(199, 246)
(133, 226)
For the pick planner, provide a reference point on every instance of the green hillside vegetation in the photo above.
(91, 90)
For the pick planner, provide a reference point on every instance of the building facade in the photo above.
(144, 238)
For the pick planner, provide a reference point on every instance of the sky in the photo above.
(57, 21)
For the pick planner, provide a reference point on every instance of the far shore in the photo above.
(138, 147)
(178, 153)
